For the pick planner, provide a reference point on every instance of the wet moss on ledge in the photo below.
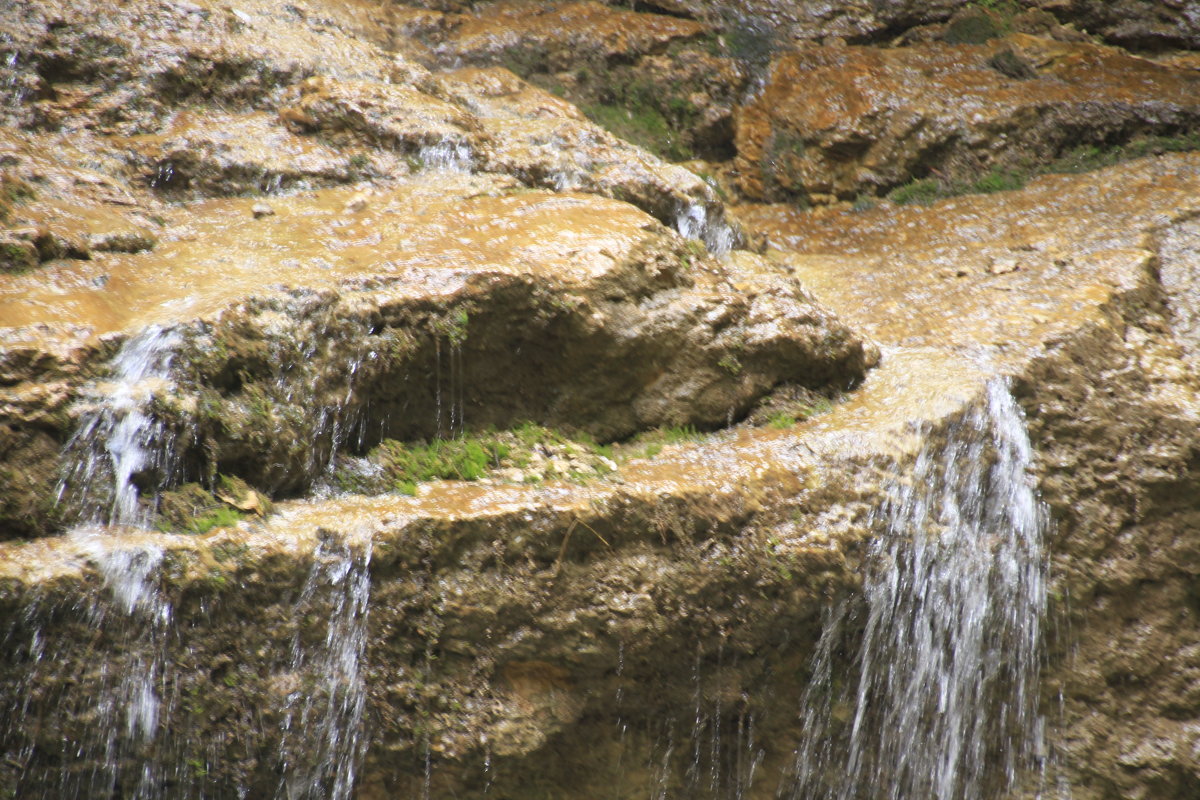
(1083, 158)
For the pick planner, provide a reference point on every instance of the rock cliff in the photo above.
(533, 400)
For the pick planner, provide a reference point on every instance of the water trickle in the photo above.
(165, 175)
(129, 575)
(13, 89)
(271, 183)
(944, 704)
(323, 739)
(693, 221)
(110, 702)
(447, 156)
(120, 440)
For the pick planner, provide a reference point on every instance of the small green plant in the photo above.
(922, 191)
(650, 443)
(453, 326)
(359, 160)
(781, 420)
(645, 126)
(731, 364)
(220, 517)
(999, 181)
(464, 458)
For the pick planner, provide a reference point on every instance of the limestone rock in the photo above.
(555, 37)
(849, 120)
(623, 323)
(546, 143)
(206, 153)
(143, 59)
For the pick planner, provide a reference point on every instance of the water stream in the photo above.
(323, 740)
(943, 702)
(119, 439)
(694, 221)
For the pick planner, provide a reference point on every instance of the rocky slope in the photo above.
(263, 253)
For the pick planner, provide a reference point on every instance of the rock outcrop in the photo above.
(244, 246)
(844, 121)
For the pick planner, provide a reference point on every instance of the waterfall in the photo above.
(323, 742)
(119, 439)
(693, 221)
(446, 155)
(944, 704)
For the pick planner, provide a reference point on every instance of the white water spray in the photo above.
(447, 155)
(119, 438)
(693, 221)
(945, 700)
(323, 737)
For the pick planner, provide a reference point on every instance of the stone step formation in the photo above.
(528, 399)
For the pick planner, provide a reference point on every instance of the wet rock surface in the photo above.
(856, 120)
(273, 251)
(626, 325)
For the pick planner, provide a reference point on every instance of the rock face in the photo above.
(850, 120)
(1150, 24)
(627, 326)
(243, 246)
(1118, 465)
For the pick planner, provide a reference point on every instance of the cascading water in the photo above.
(323, 742)
(945, 701)
(447, 155)
(693, 221)
(119, 438)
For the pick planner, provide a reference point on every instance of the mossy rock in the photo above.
(972, 26)
(17, 255)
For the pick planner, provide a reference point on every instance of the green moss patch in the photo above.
(528, 453)
(1084, 158)
(193, 508)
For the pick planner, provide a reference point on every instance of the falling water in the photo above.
(323, 741)
(136, 693)
(446, 156)
(944, 704)
(12, 89)
(693, 221)
(119, 439)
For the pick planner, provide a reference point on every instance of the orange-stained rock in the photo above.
(547, 37)
(847, 120)
(213, 153)
(1142, 24)
(548, 143)
(350, 306)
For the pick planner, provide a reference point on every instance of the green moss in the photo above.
(975, 28)
(1088, 157)
(730, 363)
(465, 458)
(1083, 158)
(650, 443)
(642, 125)
(921, 192)
(453, 326)
(999, 181)
(781, 420)
(925, 191)
(220, 517)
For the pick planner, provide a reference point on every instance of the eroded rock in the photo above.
(847, 120)
(625, 325)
